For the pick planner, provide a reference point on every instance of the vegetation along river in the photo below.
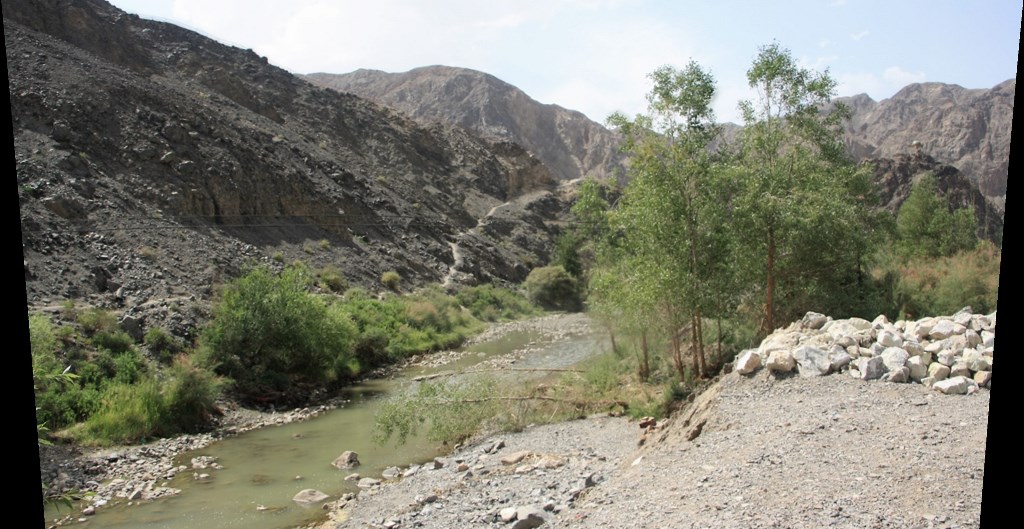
(263, 469)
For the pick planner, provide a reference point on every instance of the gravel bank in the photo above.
(757, 452)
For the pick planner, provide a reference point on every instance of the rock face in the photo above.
(894, 179)
(966, 128)
(155, 163)
(566, 141)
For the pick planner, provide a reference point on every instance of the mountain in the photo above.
(966, 128)
(566, 141)
(154, 163)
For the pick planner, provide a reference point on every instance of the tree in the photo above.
(668, 214)
(926, 228)
(799, 221)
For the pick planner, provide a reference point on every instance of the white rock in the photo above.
(976, 361)
(946, 357)
(889, 338)
(894, 358)
(813, 320)
(973, 338)
(938, 371)
(952, 386)
(920, 329)
(928, 381)
(507, 514)
(983, 378)
(366, 483)
(935, 347)
(913, 348)
(748, 362)
(812, 361)
(871, 368)
(776, 341)
(988, 338)
(900, 374)
(942, 330)
(918, 368)
(781, 360)
(859, 323)
(838, 358)
(963, 316)
(960, 369)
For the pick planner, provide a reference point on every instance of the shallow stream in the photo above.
(263, 469)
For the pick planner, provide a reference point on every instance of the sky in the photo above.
(594, 56)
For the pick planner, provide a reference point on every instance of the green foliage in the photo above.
(943, 285)
(450, 411)
(567, 254)
(330, 278)
(269, 334)
(491, 303)
(127, 414)
(926, 227)
(391, 280)
(115, 341)
(96, 320)
(551, 287)
(161, 344)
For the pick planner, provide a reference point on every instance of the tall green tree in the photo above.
(798, 217)
(925, 226)
(669, 214)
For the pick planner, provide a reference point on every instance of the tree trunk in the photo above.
(768, 324)
(645, 365)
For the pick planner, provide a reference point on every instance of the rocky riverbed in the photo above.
(141, 473)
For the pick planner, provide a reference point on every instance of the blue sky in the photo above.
(594, 55)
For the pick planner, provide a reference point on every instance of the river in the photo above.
(263, 469)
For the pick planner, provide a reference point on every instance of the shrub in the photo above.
(491, 303)
(128, 413)
(161, 344)
(115, 341)
(553, 288)
(96, 320)
(331, 279)
(278, 256)
(946, 284)
(269, 333)
(391, 279)
(189, 396)
(324, 244)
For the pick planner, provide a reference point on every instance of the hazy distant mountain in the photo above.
(566, 141)
(966, 128)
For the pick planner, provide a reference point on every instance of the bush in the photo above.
(128, 413)
(115, 341)
(161, 344)
(391, 279)
(929, 287)
(331, 279)
(491, 303)
(96, 320)
(269, 333)
(189, 397)
(553, 288)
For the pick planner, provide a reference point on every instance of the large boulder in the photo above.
(748, 362)
(812, 361)
(347, 460)
(309, 497)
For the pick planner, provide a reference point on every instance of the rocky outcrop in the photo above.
(894, 179)
(154, 163)
(566, 141)
(952, 354)
(966, 128)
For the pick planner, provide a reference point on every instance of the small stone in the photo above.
(983, 378)
(515, 457)
(898, 375)
(938, 371)
(89, 510)
(952, 386)
(890, 339)
(918, 368)
(352, 477)
(959, 369)
(748, 362)
(781, 360)
(813, 320)
(438, 464)
(309, 497)
(507, 514)
(894, 358)
(391, 473)
(366, 483)
(348, 459)
(871, 368)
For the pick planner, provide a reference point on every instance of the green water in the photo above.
(267, 467)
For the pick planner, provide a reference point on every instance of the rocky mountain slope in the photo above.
(566, 141)
(154, 163)
(967, 128)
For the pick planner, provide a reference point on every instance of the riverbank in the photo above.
(141, 473)
(756, 451)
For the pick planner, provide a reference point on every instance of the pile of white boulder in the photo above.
(952, 354)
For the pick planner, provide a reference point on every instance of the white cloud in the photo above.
(860, 35)
(824, 43)
(878, 86)
(837, 3)
(895, 75)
